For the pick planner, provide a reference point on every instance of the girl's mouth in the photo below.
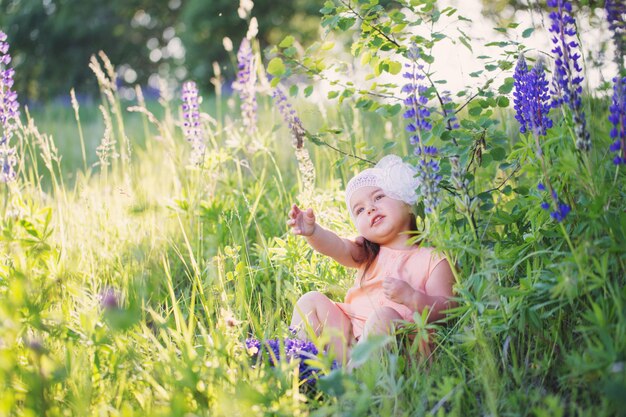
(376, 219)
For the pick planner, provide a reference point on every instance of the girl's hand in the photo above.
(398, 291)
(301, 222)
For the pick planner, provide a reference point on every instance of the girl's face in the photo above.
(380, 219)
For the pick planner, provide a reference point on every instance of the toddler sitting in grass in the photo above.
(394, 279)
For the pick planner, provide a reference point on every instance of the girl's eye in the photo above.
(379, 196)
(359, 211)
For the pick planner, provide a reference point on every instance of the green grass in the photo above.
(200, 259)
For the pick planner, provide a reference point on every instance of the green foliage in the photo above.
(51, 42)
(130, 289)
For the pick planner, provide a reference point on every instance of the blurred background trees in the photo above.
(53, 40)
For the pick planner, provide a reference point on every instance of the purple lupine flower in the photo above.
(109, 299)
(519, 84)
(191, 122)
(291, 118)
(428, 174)
(245, 83)
(417, 116)
(617, 117)
(9, 113)
(568, 78)
(293, 349)
(616, 16)
(448, 112)
(560, 209)
(531, 98)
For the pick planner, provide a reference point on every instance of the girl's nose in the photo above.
(370, 209)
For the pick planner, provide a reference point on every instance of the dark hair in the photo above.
(372, 249)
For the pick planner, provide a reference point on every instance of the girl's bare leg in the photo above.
(381, 322)
(318, 311)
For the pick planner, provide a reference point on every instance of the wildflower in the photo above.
(245, 7)
(9, 113)
(458, 173)
(428, 175)
(253, 29)
(191, 123)
(561, 210)
(448, 111)
(305, 165)
(291, 118)
(109, 299)
(227, 43)
(617, 117)
(418, 116)
(289, 349)
(106, 151)
(244, 84)
(531, 98)
(568, 78)
(616, 16)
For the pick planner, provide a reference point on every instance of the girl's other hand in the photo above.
(397, 290)
(301, 222)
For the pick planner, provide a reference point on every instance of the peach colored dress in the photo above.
(413, 265)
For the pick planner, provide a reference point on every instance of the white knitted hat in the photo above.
(395, 177)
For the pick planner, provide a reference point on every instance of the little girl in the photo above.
(394, 279)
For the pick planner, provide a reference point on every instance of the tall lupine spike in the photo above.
(289, 115)
(245, 85)
(448, 112)
(617, 117)
(305, 165)
(418, 122)
(191, 122)
(616, 16)
(9, 114)
(519, 86)
(568, 77)
(531, 102)
(531, 98)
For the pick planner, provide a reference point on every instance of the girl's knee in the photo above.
(385, 314)
(312, 298)
(381, 321)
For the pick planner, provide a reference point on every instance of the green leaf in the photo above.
(362, 352)
(527, 33)
(394, 67)
(293, 90)
(393, 110)
(503, 101)
(465, 43)
(346, 23)
(498, 153)
(290, 52)
(389, 145)
(287, 42)
(328, 45)
(507, 86)
(332, 384)
(475, 111)
(276, 67)
(333, 94)
(308, 91)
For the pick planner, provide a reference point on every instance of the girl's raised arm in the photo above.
(322, 240)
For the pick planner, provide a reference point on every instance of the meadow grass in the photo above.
(129, 288)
